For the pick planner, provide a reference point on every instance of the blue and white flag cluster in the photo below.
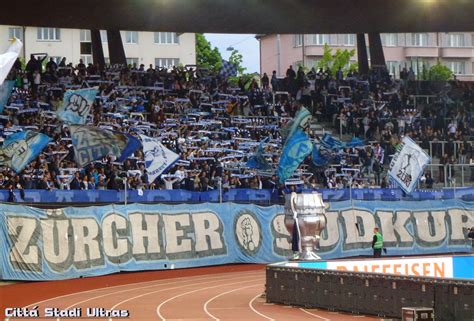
(5, 92)
(228, 69)
(77, 105)
(158, 158)
(91, 143)
(297, 145)
(21, 148)
(257, 160)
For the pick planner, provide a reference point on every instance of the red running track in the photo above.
(212, 293)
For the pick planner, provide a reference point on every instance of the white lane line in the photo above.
(158, 308)
(129, 284)
(173, 281)
(140, 288)
(222, 294)
(254, 310)
(161, 290)
(315, 315)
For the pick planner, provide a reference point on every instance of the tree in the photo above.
(440, 72)
(340, 59)
(206, 56)
(237, 59)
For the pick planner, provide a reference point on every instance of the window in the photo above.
(393, 68)
(166, 38)
(86, 36)
(389, 39)
(103, 36)
(131, 37)
(419, 39)
(166, 62)
(298, 40)
(86, 59)
(132, 61)
(349, 39)
(420, 65)
(456, 40)
(49, 34)
(15, 32)
(319, 39)
(457, 67)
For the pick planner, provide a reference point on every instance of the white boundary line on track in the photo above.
(315, 315)
(254, 310)
(216, 278)
(198, 278)
(124, 285)
(158, 308)
(153, 292)
(222, 294)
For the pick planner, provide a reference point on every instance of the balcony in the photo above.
(457, 52)
(429, 52)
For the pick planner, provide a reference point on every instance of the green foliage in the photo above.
(340, 59)
(206, 56)
(237, 59)
(440, 72)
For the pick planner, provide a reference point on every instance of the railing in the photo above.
(61, 198)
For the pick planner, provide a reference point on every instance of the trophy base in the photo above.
(305, 256)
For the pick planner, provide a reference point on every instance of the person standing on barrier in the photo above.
(377, 243)
(471, 236)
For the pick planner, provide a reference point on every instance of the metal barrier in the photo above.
(370, 293)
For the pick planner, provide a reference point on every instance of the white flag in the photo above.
(8, 59)
(408, 164)
(158, 158)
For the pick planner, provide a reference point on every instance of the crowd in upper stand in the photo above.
(215, 126)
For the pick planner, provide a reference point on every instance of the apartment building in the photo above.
(163, 49)
(416, 50)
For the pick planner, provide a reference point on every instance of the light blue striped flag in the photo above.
(296, 149)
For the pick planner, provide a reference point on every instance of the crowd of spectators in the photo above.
(215, 126)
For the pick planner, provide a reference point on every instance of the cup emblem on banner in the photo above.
(248, 232)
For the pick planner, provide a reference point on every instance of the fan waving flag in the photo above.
(77, 105)
(21, 148)
(5, 92)
(158, 158)
(408, 164)
(91, 143)
(228, 69)
(8, 59)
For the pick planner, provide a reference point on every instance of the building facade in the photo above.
(163, 49)
(416, 50)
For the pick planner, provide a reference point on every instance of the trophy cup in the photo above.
(306, 213)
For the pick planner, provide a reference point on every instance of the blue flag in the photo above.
(21, 148)
(77, 105)
(330, 142)
(91, 143)
(320, 156)
(302, 120)
(298, 146)
(257, 160)
(5, 92)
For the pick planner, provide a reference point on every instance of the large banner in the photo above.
(66, 243)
